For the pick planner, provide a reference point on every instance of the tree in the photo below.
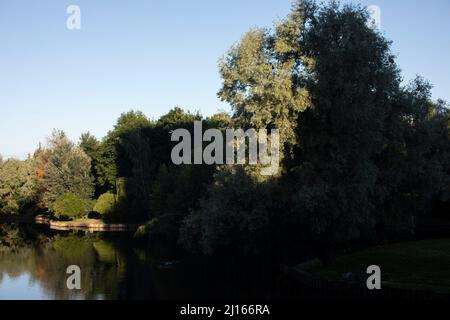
(236, 213)
(68, 170)
(71, 205)
(351, 84)
(113, 161)
(177, 116)
(137, 149)
(18, 185)
(161, 188)
(91, 146)
(414, 165)
(354, 142)
(262, 79)
(105, 204)
(41, 156)
(221, 120)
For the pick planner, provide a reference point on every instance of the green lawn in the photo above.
(417, 264)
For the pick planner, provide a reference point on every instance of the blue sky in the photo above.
(156, 54)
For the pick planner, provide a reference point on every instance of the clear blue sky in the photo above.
(153, 55)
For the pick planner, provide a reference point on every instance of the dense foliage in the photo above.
(68, 170)
(363, 156)
(18, 189)
(71, 205)
(105, 203)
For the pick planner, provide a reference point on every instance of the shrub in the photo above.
(71, 205)
(105, 203)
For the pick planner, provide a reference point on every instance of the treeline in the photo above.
(128, 176)
(363, 156)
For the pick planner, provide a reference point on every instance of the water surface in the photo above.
(34, 259)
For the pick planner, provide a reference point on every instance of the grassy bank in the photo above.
(416, 264)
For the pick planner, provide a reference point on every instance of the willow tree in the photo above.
(264, 81)
(263, 77)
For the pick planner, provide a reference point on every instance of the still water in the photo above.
(34, 259)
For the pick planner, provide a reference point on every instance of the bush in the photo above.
(105, 203)
(71, 205)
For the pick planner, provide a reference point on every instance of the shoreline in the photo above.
(91, 225)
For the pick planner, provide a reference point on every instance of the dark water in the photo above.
(34, 259)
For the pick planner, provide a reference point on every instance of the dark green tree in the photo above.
(113, 161)
(351, 83)
(91, 146)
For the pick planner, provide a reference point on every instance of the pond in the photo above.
(34, 261)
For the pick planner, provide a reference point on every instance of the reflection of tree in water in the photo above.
(115, 267)
(46, 258)
(16, 254)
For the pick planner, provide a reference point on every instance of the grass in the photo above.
(416, 264)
